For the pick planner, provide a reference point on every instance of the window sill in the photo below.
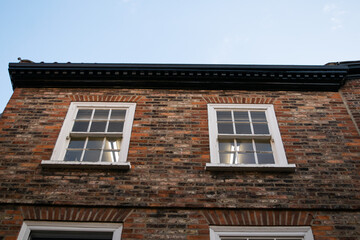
(250, 167)
(86, 165)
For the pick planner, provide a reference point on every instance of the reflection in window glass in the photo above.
(110, 156)
(112, 143)
(91, 148)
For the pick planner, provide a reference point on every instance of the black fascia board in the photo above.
(179, 76)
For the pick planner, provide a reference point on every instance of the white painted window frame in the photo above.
(223, 232)
(63, 139)
(280, 164)
(28, 226)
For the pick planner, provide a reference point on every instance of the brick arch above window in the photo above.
(239, 100)
(258, 218)
(75, 214)
(103, 98)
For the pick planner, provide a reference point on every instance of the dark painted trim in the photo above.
(183, 76)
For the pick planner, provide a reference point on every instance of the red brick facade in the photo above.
(167, 193)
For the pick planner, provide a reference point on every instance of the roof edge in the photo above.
(328, 77)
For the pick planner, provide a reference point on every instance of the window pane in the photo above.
(258, 116)
(118, 114)
(98, 127)
(69, 235)
(228, 158)
(244, 145)
(261, 128)
(112, 143)
(226, 128)
(84, 114)
(263, 146)
(246, 158)
(243, 128)
(110, 156)
(91, 155)
(265, 158)
(224, 115)
(116, 126)
(94, 143)
(80, 126)
(77, 143)
(241, 116)
(72, 155)
(101, 114)
(226, 146)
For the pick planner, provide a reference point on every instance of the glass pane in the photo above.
(116, 126)
(70, 235)
(228, 158)
(226, 146)
(118, 114)
(94, 143)
(263, 146)
(246, 158)
(224, 115)
(258, 116)
(110, 156)
(101, 114)
(84, 114)
(112, 143)
(261, 128)
(226, 128)
(77, 143)
(241, 116)
(98, 127)
(265, 158)
(244, 145)
(243, 128)
(91, 155)
(80, 126)
(72, 155)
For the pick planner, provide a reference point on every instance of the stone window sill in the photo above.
(250, 167)
(86, 165)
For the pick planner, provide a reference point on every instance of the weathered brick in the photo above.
(169, 148)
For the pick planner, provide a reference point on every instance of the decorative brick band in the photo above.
(100, 98)
(75, 214)
(258, 218)
(239, 100)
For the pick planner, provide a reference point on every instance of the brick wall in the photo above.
(189, 224)
(169, 148)
(168, 151)
(351, 95)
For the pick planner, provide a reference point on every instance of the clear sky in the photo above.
(304, 32)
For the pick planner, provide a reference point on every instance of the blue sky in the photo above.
(172, 31)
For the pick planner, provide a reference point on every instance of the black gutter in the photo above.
(182, 76)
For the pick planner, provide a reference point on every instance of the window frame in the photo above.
(223, 232)
(280, 164)
(28, 226)
(63, 140)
